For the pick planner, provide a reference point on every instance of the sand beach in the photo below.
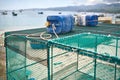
(2, 58)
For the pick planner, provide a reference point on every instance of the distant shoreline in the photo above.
(60, 10)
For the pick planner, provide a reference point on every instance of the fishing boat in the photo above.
(14, 14)
(118, 16)
(21, 10)
(59, 13)
(4, 13)
(40, 12)
(101, 15)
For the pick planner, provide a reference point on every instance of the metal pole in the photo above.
(6, 63)
(77, 59)
(51, 62)
(95, 65)
(25, 55)
(6, 50)
(48, 60)
(116, 56)
(78, 51)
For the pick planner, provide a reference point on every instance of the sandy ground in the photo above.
(2, 60)
(2, 65)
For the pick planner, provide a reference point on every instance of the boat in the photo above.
(21, 11)
(40, 12)
(101, 15)
(59, 13)
(118, 16)
(14, 14)
(4, 13)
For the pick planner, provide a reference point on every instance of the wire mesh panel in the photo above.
(62, 63)
(36, 51)
(86, 66)
(105, 70)
(37, 71)
(97, 56)
(108, 47)
(117, 70)
(26, 58)
(15, 58)
(85, 69)
(36, 54)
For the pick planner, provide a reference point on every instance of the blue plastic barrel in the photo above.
(63, 23)
(87, 20)
(91, 20)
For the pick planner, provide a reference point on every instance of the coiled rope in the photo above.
(43, 35)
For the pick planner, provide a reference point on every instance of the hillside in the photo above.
(111, 8)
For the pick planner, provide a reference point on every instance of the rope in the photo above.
(46, 36)
(54, 28)
(43, 35)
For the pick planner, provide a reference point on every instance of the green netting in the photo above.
(106, 69)
(91, 42)
(79, 76)
(14, 63)
(95, 57)
(23, 60)
(15, 54)
(84, 40)
(79, 56)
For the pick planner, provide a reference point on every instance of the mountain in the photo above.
(110, 8)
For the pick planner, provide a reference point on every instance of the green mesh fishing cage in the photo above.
(85, 56)
(86, 53)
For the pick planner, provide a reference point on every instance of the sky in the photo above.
(25, 4)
